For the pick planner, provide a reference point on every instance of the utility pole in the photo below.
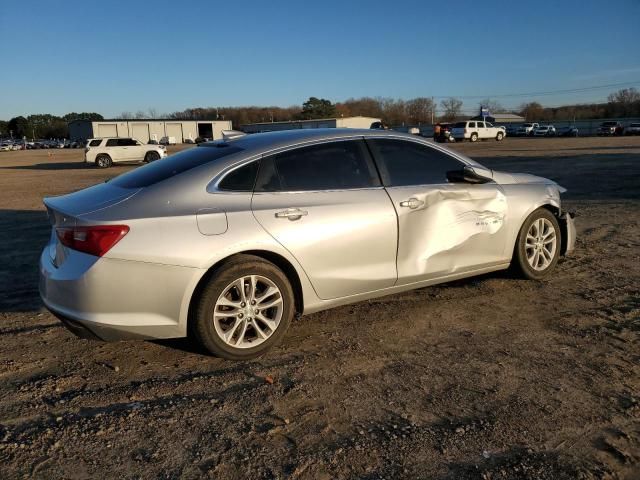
(433, 107)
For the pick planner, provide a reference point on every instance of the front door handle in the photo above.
(412, 203)
(292, 214)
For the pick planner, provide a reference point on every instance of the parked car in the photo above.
(106, 151)
(570, 131)
(511, 130)
(527, 129)
(632, 129)
(168, 141)
(6, 147)
(475, 130)
(230, 240)
(610, 128)
(545, 131)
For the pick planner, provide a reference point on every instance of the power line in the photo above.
(539, 94)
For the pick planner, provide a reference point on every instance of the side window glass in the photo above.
(404, 163)
(95, 143)
(241, 179)
(329, 166)
(112, 142)
(472, 124)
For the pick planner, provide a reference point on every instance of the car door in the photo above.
(325, 204)
(443, 227)
(482, 130)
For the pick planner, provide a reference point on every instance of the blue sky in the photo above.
(62, 56)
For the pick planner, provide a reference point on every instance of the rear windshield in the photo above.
(160, 170)
(460, 125)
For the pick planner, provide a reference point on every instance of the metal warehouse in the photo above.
(345, 122)
(184, 131)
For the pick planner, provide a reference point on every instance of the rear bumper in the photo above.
(113, 299)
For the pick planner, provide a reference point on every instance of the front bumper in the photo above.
(112, 299)
(568, 228)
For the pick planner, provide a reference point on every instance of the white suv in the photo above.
(106, 151)
(475, 130)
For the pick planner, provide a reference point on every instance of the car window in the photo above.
(489, 125)
(472, 124)
(409, 163)
(176, 164)
(329, 166)
(241, 179)
(112, 142)
(95, 143)
(126, 142)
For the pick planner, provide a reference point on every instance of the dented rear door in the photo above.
(443, 228)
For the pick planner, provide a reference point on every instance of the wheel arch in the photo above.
(278, 260)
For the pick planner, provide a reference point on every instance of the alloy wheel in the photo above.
(541, 243)
(248, 311)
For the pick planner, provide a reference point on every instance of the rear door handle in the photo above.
(412, 203)
(292, 214)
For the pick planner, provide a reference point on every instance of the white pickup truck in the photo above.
(474, 130)
(527, 129)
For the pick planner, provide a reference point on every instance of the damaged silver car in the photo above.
(228, 241)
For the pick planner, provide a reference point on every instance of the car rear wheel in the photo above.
(244, 310)
(474, 137)
(538, 245)
(103, 161)
(500, 136)
(151, 157)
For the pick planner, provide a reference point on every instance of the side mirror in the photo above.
(466, 175)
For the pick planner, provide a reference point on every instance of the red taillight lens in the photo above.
(95, 240)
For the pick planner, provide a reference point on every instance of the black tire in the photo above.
(519, 262)
(500, 136)
(202, 325)
(151, 157)
(103, 161)
(474, 137)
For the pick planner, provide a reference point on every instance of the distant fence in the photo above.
(585, 127)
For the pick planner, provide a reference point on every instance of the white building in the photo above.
(145, 130)
(345, 122)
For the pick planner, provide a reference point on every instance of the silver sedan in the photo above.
(228, 241)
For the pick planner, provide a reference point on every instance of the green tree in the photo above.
(317, 108)
(4, 128)
(19, 126)
(69, 117)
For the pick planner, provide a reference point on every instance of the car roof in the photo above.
(257, 142)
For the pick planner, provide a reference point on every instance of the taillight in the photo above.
(94, 240)
(466, 131)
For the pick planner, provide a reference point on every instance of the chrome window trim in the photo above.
(214, 184)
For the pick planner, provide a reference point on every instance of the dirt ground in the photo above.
(487, 378)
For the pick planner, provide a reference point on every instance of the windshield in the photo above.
(174, 165)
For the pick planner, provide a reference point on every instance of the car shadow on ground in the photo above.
(52, 166)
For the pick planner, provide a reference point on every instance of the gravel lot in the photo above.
(487, 378)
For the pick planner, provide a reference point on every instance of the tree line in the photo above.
(394, 112)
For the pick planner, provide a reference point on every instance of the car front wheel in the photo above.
(538, 245)
(500, 136)
(244, 310)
